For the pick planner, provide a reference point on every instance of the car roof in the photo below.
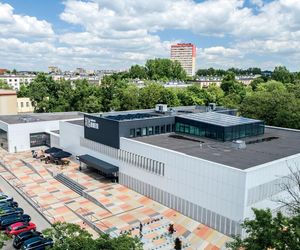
(17, 224)
(23, 234)
(33, 239)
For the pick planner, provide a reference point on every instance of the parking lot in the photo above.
(37, 218)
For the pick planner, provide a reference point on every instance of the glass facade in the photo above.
(3, 139)
(152, 130)
(220, 133)
(39, 139)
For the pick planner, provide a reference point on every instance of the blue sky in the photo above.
(115, 34)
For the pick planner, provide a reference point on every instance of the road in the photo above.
(36, 217)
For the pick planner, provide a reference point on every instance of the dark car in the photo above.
(20, 238)
(9, 204)
(4, 198)
(6, 210)
(37, 243)
(9, 213)
(11, 219)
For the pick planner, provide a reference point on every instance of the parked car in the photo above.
(22, 237)
(11, 219)
(9, 204)
(9, 213)
(37, 243)
(20, 227)
(6, 210)
(5, 198)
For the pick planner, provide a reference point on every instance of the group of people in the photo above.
(37, 155)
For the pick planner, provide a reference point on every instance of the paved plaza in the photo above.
(103, 206)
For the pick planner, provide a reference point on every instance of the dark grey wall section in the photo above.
(107, 132)
(125, 126)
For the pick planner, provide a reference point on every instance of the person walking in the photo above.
(178, 244)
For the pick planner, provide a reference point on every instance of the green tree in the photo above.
(4, 85)
(228, 82)
(69, 236)
(3, 238)
(214, 94)
(150, 95)
(73, 237)
(268, 232)
(281, 74)
(23, 91)
(129, 97)
(137, 72)
(123, 242)
(256, 82)
(273, 104)
(158, 69)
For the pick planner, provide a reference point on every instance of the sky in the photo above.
(115, 34)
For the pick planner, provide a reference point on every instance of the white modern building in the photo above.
(15, 81)
(25, 131)
(211, 166)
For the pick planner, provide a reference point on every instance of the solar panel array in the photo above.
(130, 116)
(219, 119)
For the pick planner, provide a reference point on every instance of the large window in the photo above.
(3, 139)
(132, 132)
(221, 133)
(138, 132)
(39, 139)
(150, 130)
(156, 130)
(144, 131)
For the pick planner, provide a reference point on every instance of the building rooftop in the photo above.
(77, 122)
(39, 117)
(276, 143)
(7, 92)
(219, 119)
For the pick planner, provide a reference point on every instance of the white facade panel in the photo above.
(216, 187)
(19, 134)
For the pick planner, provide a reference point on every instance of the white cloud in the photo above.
(258, 3)
(119, 33)
(19, 25)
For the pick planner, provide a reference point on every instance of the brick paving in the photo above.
(121, 211)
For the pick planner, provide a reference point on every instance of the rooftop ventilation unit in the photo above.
(161, 108)
(238, 144)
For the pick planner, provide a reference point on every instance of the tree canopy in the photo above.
(72, 236)
(267, 232)
(4, 85)
(275, 102)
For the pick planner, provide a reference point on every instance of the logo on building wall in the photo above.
(91, 123)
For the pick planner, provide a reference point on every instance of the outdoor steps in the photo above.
(73, 185)
(31, 167)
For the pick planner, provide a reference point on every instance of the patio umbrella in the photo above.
(61, 154)
(52, 150)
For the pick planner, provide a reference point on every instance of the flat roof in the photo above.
(219, 119)
(273, 145)
(39, 117)
(77, 122)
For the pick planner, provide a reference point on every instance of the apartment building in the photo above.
(185, 54)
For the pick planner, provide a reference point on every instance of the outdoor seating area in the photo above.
(110, 207)
(52, 155)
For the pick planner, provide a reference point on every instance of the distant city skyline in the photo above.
(102, 34)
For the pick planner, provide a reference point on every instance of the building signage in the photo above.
(91, 123)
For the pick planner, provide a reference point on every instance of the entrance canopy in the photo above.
(61, 154)
(52, 150)
(97, 164)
